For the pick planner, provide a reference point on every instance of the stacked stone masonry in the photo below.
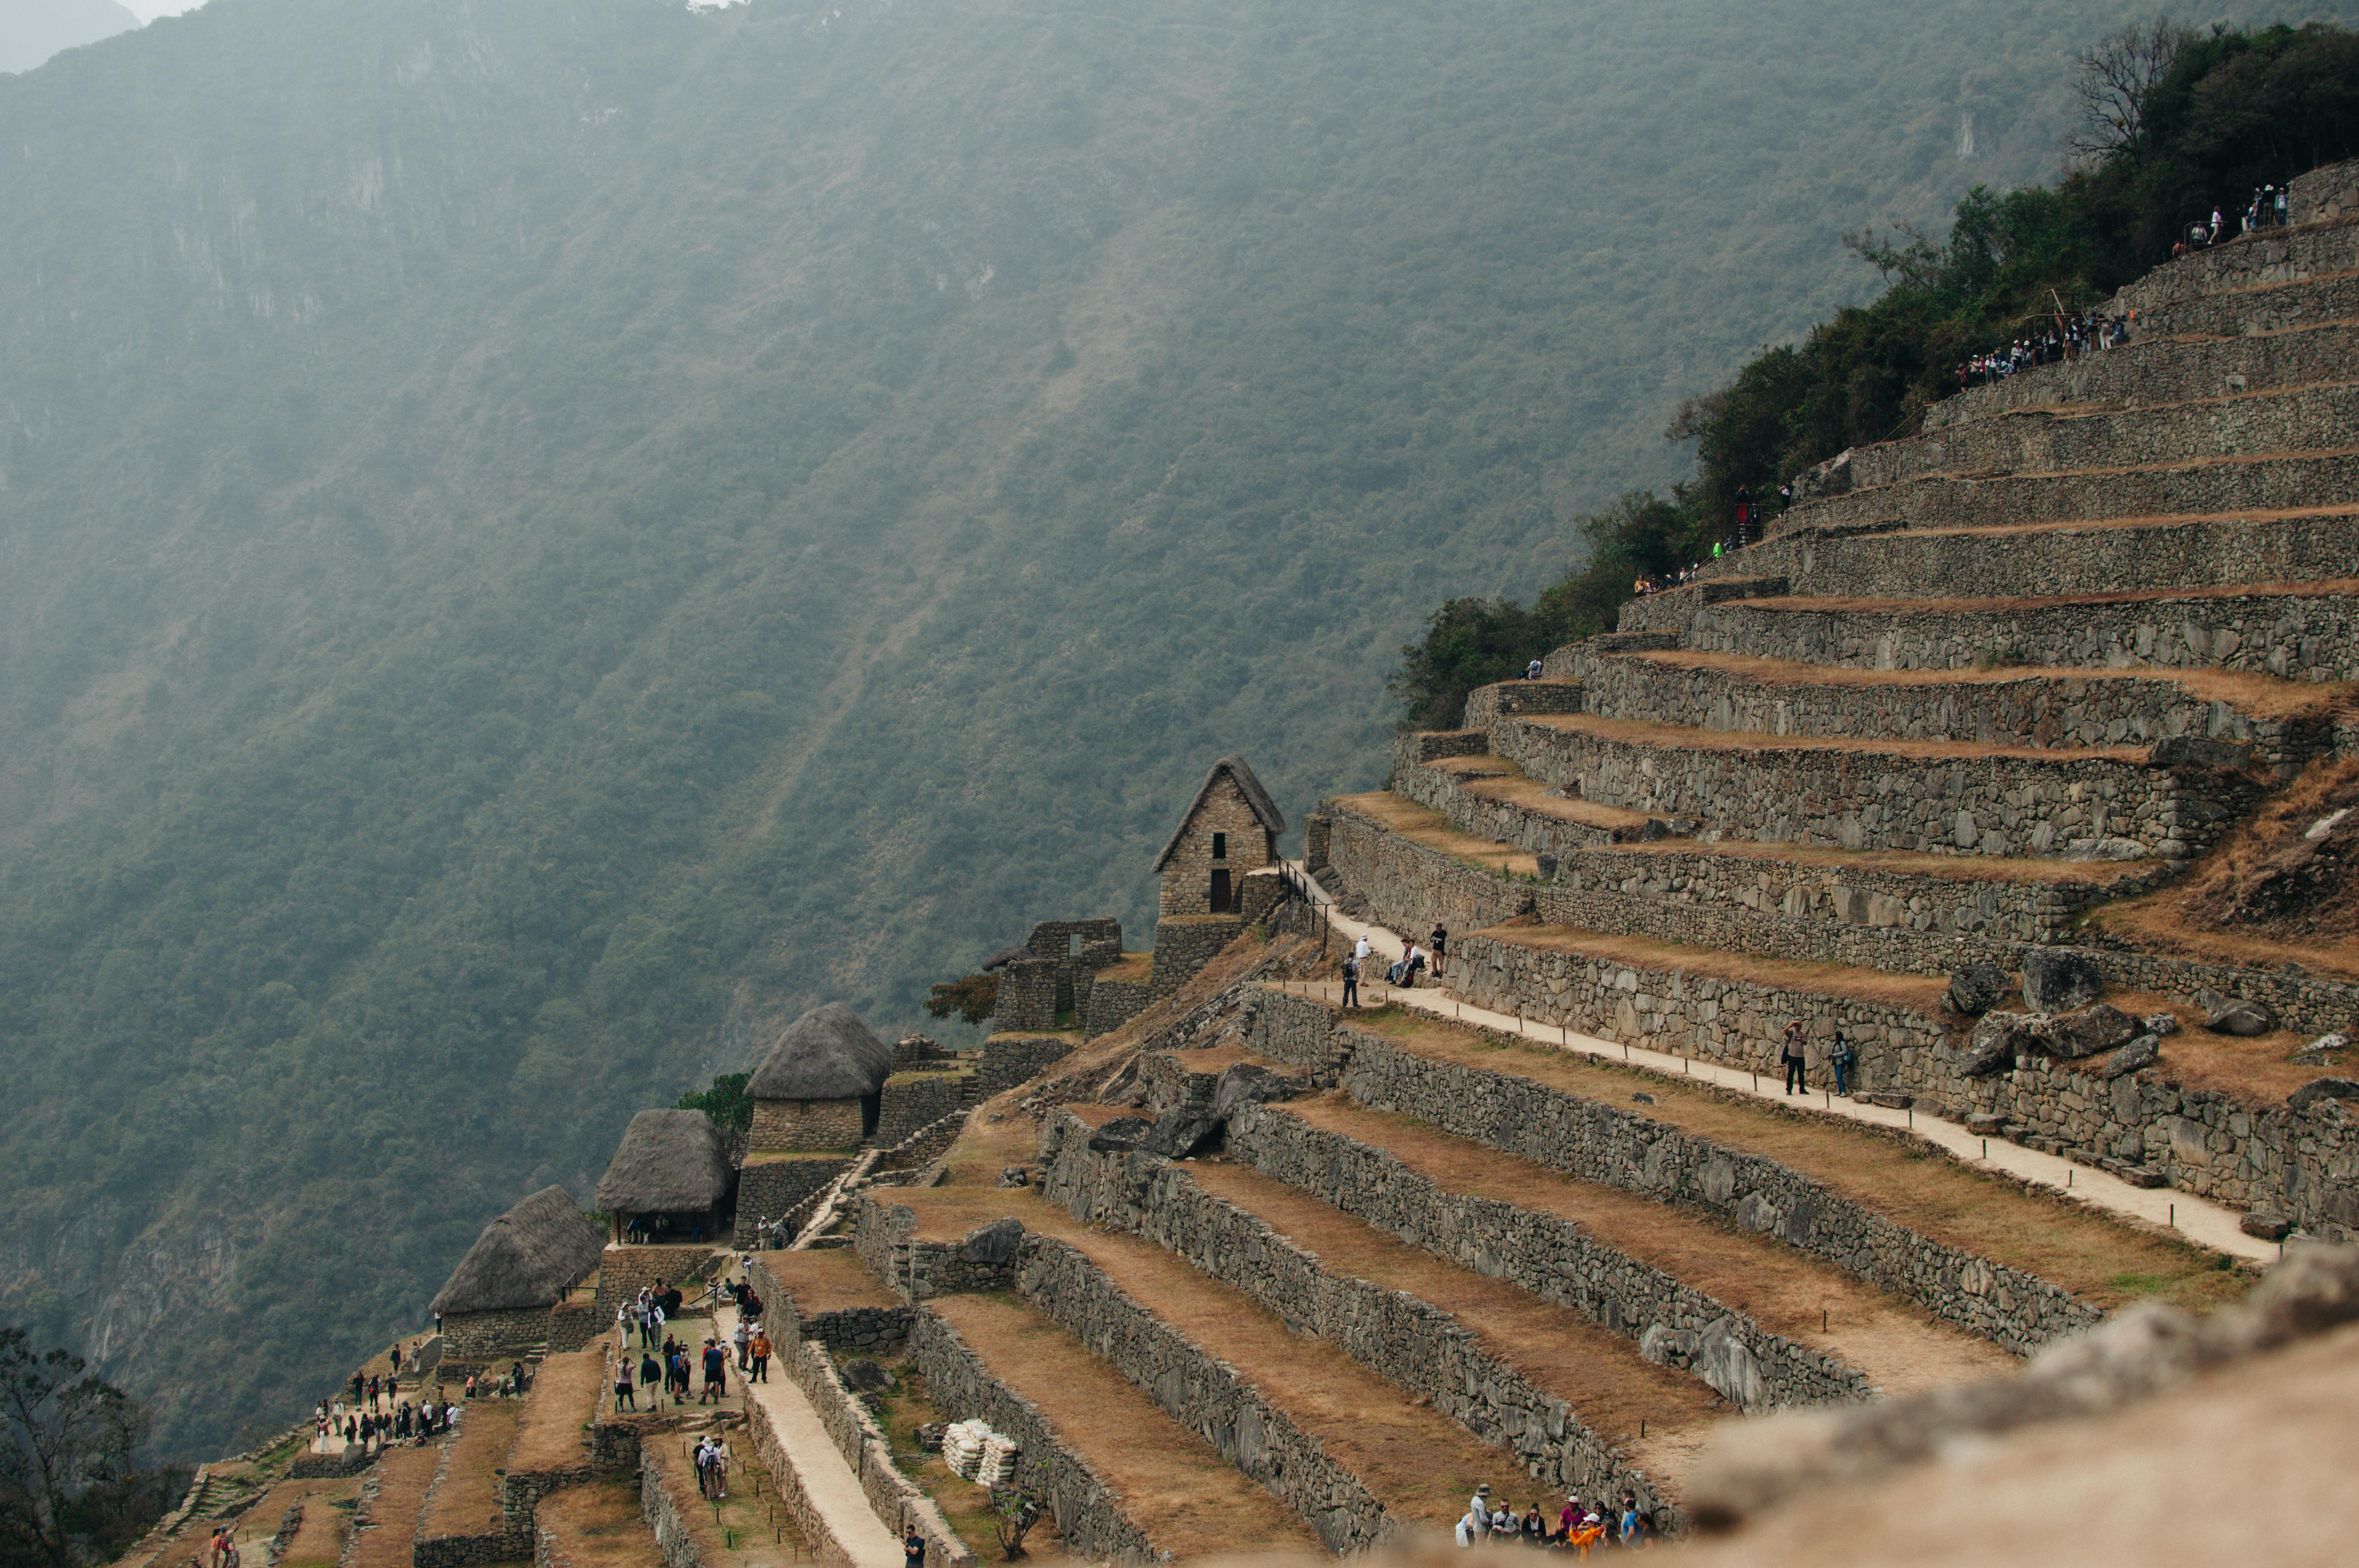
(2067, 711)
(1204, 1394)
(1451, 792)
(1402, 1339)
(1090, 1522)
(1554, 1258)
(1616, 1148)
(1955, 803)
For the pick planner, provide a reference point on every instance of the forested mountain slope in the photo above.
(33, 30)
(535, 533)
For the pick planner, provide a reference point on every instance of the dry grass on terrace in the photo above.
(910, 1404)
(745, 1518)
(254, 1530)
(2256, 696)
(1598, 1372)
(599, 1526)
(1135, 968)
(1687, 738)
(318, 1541)
(2165, 465)
(1174, 1484)
(2149, 520)
(1421, 1465)
(2328, 588)
(2105, 1261)
(564, 1398)
(469, 1501)
(1920, 992)
(1431, 828)
(1496, 778)
(828, 1279)
(1895, 1342)
(402, 1476)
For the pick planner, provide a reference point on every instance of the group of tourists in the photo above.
(1402, 972)
(1843, 1058)
(383, 1423)
(1576, 1527)
(673, 1363)
(647, 1313)
(221, 1552)
(2268, 208)
(2068, 336)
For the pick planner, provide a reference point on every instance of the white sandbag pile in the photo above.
(975, 1452)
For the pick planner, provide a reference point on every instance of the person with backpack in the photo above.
(1790, 1053)
(1440, 940)
(761, 1372)
(1350, 980)
(1843, 1058)
(716, 1368)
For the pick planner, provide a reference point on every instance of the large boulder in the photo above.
(2058, 980)
(2320, 1089)
(1181, 1132)
(2142, 1052)
(993, 1243)
(1993, 1044)
(2198, 752)
(2235, 1015)
(2161, 1024)
(2093, 1029)
(1245, 1084)
(1120, 1135)
(1976, 989)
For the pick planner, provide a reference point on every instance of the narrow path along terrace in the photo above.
(833, 1490)
(2199, 1219)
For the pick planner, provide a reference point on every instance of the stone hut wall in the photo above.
(1610, 1146)
(770, 1189)
(1027, 995)
(624, 1271)
(481, 1336)
(1111, 1004)
(1188, 875)
(806, 1124)
(916, 1100)
(1088, 1510)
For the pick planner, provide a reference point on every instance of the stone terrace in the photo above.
(2067, 637)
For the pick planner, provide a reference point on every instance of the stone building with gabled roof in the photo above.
(1228, 832)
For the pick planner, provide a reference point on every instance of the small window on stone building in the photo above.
(1074, 945)
(1220, 846)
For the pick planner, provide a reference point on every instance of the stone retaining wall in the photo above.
(1090, 1523)
(772, 1189)
(1111, 1004)
(2326, 193)
(1203, 1394)
(2033, 710)
(679, 1549)
(1414, 882)
(897, 1500)
(1555, 1260)
(1486, 703)
(1987, 805)
(1184, 945)
(1298, 1030)
(481, 1336)
(1947, 501)
(2270, 255)
(2277, 308)
(1502, 822)
(1616, 1148)
(2161, 370)
(2290, 419)
(883, 1237)
(914, 1101)
(866, 1331)
(2163, 558)
(1012, 1059)
(1733, 1022)
(2302, 636)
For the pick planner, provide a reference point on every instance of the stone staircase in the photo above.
(1979, 684)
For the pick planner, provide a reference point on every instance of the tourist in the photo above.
(720, 1465)
(1474, 1525)
(1790, 1053)
(360, 1386)
(755, 1306)
(913, 1550)
(703, 1454)
(657, 1317)
(1360, 949)
(761, 1373)
(1351, 981)
(742, 1338)
(470, 1387)
(1842, 1059)
(1503, 1524)
(1440, 940)
(1532, 670)
(1634, 1523)
(716, 1366)
(1479, 1505)
(1535, 1526)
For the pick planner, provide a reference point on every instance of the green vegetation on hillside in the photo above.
(2176, 124)
(545, 536)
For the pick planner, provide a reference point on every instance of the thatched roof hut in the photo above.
(670, 1161)
(827, 1054)
(529, 1257)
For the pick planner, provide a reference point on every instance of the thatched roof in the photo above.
(827, 1054)
(670, 1161)
(1264, 808)
(1003, 957)
(529, 1257)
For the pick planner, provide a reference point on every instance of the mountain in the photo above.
(33, 30)
(540, 534)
